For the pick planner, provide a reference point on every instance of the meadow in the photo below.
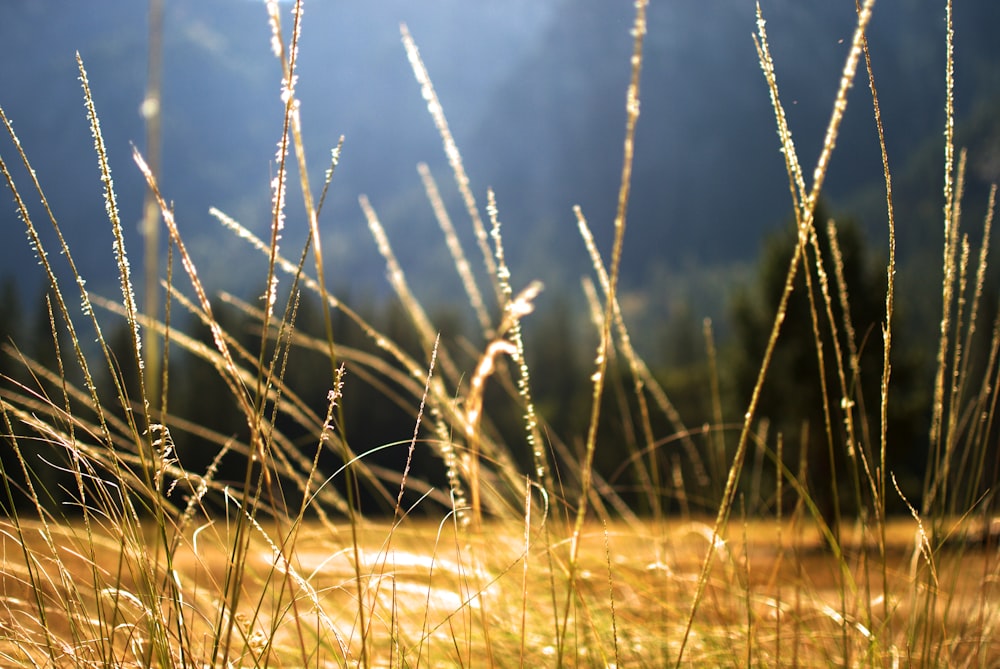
(534, 559)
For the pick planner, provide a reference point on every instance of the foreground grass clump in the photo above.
(154, 562)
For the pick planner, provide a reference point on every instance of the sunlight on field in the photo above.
(118, 551)
(427, 589)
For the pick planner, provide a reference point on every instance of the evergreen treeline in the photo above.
(652, 459)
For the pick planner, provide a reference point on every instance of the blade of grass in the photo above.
(632, 116)
(804, 216)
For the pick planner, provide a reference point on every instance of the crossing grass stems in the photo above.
(539, 567)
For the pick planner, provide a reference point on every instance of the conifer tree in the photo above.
(792, 398)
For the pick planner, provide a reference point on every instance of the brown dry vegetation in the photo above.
(517, 572)
(437, 595)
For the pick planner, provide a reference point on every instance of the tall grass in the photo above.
(154, 563)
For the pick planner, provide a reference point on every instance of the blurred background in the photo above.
(534, 91)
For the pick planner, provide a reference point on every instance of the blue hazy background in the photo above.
(534, 90)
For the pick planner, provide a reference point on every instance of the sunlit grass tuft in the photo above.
(516, 552)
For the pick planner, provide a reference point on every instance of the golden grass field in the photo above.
(517, 571)
(436, 596)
